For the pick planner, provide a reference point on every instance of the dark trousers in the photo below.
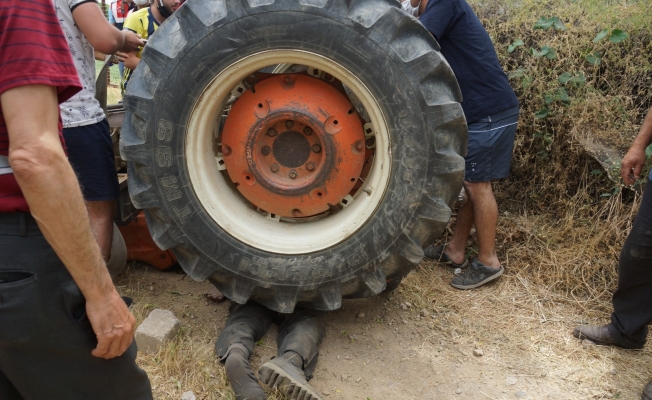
(45, 336)
(633, 299)
(301, 332)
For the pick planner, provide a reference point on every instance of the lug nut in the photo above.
(226, 150)
(310, 166)
(359, 146)
(289, 124)
(287, 80)
(315, 148)
(296, 212)
(266, 150)
(272, 132)
(307, 131)
(274, 167)
(292, 174)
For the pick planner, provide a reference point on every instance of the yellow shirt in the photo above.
(143, 23)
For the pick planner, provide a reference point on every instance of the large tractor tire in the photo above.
(294, 152)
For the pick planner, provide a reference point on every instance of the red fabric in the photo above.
(33, 51)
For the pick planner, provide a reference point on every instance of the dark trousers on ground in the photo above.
(301, 332)
(45, 336)
(633, 299)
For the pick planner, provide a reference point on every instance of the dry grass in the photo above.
(558, 236)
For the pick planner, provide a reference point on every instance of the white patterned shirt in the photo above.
(82, 109)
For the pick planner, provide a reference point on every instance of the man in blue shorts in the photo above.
(491, 110)
(86, 131)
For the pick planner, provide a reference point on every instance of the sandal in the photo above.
(438, 254)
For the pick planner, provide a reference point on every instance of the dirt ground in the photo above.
(426, 340)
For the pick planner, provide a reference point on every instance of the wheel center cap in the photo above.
(294, 146)
(291, 149)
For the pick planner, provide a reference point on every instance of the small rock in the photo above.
(425, 313)
(151, 288)
(326, 393)
(457, 271)
(404, 322)
(511, 381)
(358, 380)
(520, 394)
(408, 304)
(458, 391)
(189, 395)
(361, 315)
(614, 371)
(478, 352)
(345, 377)
(587, 343)
(404, 306)
(215, 295)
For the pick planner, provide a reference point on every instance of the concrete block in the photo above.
(159, 327)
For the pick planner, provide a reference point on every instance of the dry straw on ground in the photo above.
(562, 221)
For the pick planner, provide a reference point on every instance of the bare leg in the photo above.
(456, 247)
(485, 217)
(101, 216)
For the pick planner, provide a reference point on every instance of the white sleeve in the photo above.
(407, 7)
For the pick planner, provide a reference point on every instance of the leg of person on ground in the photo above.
(299, 337)
(247, 324)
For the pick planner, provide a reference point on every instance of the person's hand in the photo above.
(113, 325)
(132, 41)
(130, 60)
(632, 165)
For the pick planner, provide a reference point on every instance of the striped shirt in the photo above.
(33, 51)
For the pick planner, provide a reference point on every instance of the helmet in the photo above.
(141, 3)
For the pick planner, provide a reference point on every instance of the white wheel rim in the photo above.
(227, 207)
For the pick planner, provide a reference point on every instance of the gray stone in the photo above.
(520, 394)
(458, 391)
(189, 395)
(478, 352)
(511, 381)
(159, 327)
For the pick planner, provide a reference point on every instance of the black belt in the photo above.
(18, 223)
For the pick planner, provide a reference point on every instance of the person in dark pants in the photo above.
(632, 300)
(491, 110)
(299, 337)
(65, 332)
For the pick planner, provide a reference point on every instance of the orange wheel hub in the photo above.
(293, 145)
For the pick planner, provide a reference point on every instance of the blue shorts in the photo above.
(491, 141)
(90, 152)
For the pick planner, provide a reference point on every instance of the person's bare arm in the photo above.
(101, 35)
(130, 59)
(633, 162)
(52, 191)
(422, 6)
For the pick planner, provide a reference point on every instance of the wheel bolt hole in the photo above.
(335, 122)
(319, 194)
(260, 105)
(352, 179)
(248, 177)
(350, 111)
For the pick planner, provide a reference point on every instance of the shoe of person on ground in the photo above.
(280, 373)
(599, 334)
(242, 378)
(437, 253)
(476, 275)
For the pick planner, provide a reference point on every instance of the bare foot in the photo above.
(215, 295)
